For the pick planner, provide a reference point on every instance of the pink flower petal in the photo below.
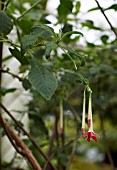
(92, 135)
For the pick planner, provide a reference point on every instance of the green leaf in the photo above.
(26, 84)
(39, 33)
(49, 47)
(90, 25)
(4, 91)
(43, 31)
(25, 25)
(104, 38)
(27, 42)
(114, 7)
(17, 54)
(64, 9)
(90, 45)
(6, 24)
(77, 6)
(93, 9)
(70, 33)
(42, 80)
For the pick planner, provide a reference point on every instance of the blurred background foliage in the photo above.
(70, 150)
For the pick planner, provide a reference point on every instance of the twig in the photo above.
(25, 12)
(8, 41)
(51, 144)
(69, 57)
(105, 142)
(5, 7)
(101, 9)
(29, 136)
(19, 145)
(1, 60)
(75, 141)
(12, 74)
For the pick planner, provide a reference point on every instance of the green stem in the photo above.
(89, 90)
(8, 41)
(25, 12)
(12, 74)
(69, 57)
(5, 7)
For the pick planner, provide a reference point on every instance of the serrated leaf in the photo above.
(43, 31)
(27, 42)
(17, 54)
(70, 33)
(6, 24)
(49, 47)
(42, 80)
(39, 34)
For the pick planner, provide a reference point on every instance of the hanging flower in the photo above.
(90, 134)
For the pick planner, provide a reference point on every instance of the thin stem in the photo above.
(75, 141)
(12, 74)
(8, 41)
(106, 143)
(47, 166)
(5, 7)
(19, 145)
(69, 57)
(25, 12)
(1, 56)
(72, 155)
(61, 149)
(89, 90)
(101, 9)
(29, 136)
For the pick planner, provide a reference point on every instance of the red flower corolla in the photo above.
(91, 135)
